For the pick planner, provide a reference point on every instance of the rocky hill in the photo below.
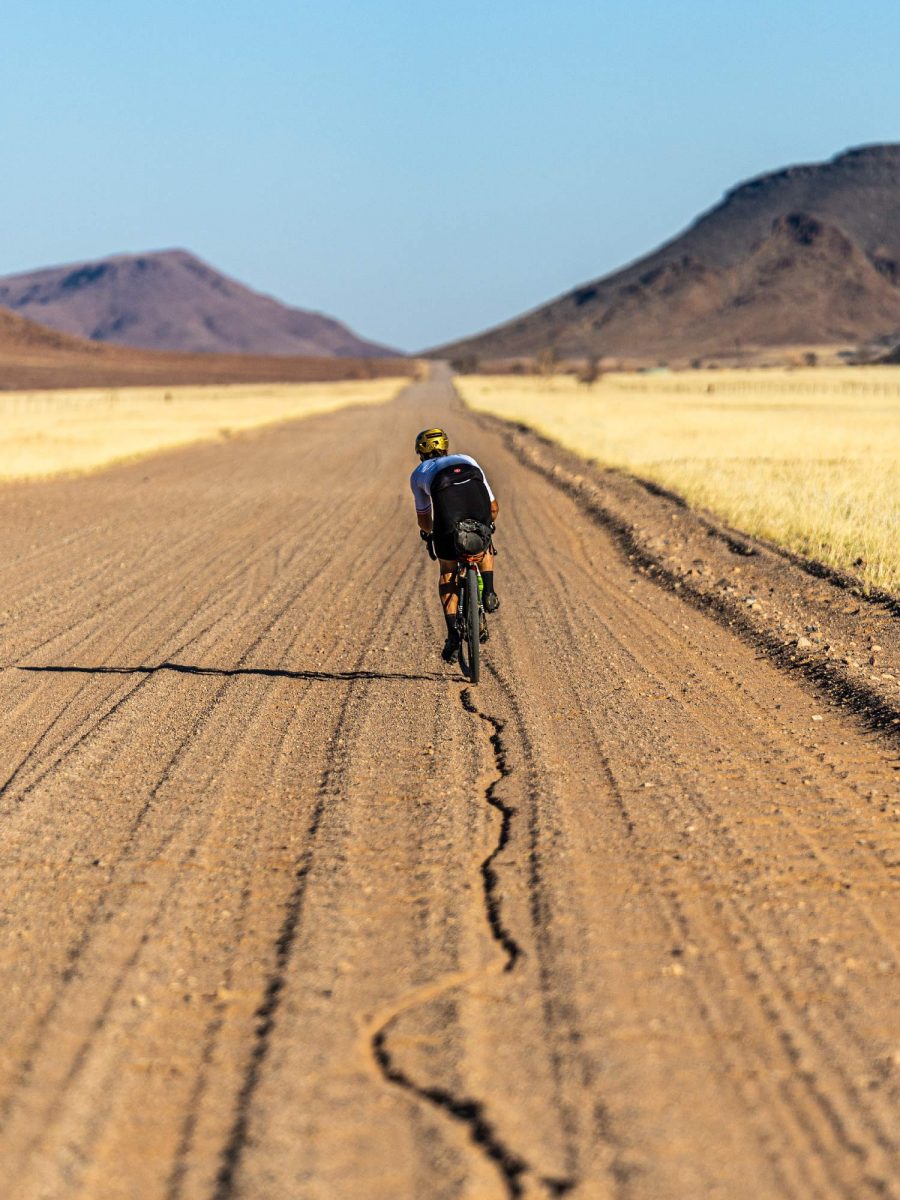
(807, 255)
(171, 300)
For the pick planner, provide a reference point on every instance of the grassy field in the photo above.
(806, 458)
(44, 433)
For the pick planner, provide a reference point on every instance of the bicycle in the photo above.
(470, 619)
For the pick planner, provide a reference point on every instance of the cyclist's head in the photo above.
(432, 443)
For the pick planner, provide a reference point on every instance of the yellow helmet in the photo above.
(431, 441)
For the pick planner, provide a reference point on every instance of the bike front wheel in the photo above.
(473, 625)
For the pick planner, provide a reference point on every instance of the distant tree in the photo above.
(466, 364)
(546, 361)
(810, 359)
(590, 372)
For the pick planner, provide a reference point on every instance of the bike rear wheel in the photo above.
(473, 629)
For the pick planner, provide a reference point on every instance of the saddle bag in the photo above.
(471, 537)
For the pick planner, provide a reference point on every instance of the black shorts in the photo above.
(457, 493)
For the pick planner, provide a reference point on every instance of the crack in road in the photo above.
(499, 931)
(468, 1111)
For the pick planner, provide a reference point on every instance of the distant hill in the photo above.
(807, 255)
(170, 300)
(21, 336)
(32, 356)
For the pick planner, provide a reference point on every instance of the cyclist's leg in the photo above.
(491, 600)
(447, 583)
(447, 589)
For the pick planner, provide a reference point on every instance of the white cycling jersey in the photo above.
(421, 478)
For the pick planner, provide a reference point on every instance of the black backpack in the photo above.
(471, 537)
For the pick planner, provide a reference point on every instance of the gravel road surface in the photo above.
(290, 912)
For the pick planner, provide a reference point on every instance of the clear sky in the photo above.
(419, 170)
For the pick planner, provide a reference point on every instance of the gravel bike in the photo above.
(471, 625)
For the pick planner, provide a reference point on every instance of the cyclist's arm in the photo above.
(423, 503)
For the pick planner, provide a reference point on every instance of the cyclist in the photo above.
(447, 489)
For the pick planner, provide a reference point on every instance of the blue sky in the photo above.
(420, 171)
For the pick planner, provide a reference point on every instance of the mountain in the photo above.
(32, 356)
(806, 255)
(170, 300)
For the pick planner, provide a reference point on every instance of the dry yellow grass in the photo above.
(806, 458)
(45, 433)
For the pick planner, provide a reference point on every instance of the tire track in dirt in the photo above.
(860, 1104)
(169, 767)
(96, 914)
(329, 787)
(71, 742)
(267, 1011)
(553, 979)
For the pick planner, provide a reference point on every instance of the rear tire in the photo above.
(473, 631)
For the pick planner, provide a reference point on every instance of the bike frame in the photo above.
(463, 567)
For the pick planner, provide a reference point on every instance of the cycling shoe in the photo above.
(450, 652)
(491, 601)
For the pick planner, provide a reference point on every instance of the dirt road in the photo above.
(290, 913)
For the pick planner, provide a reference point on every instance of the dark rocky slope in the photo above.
(809, 255)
